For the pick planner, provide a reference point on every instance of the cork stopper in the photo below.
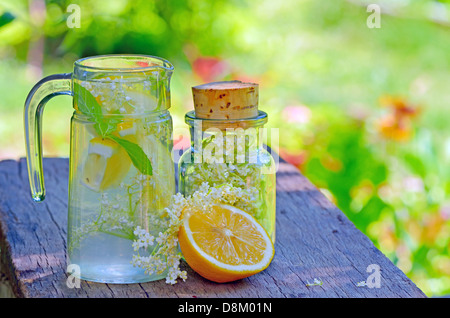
(226, 100)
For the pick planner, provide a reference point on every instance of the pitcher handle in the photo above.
(40, 94)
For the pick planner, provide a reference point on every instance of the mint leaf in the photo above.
(106, 126)
(88, 105)
(136, 154)
(6, 18)
(86, 102)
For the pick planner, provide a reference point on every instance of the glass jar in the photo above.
(225, 151)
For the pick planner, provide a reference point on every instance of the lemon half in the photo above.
(106, 165)
(224, 244)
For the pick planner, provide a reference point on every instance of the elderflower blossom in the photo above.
(144, 239)
(316, 282)
(165, 256)
(114, 93)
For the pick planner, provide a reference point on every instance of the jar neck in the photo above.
(224, 124)
(234, 141)
(204, 129)
(254, 134)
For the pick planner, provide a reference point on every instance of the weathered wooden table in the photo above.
(315, 242)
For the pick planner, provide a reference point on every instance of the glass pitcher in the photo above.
(121, 171)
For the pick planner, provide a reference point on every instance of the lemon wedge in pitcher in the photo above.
(127, 130)
(106, 165)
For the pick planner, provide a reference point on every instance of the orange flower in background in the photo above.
(206, 68)
(210, 69)
(397, 124)
(181, 142)
(215, 68)
(434, 226)
(297, 158)
(331, 163)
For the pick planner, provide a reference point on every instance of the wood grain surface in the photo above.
(315, 240)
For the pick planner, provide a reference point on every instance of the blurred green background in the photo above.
(363, 112)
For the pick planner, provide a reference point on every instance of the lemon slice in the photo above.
(139, 102)
(106, 164)
(127, 130)
(224, 244)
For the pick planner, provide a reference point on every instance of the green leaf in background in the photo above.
(137, 155)
(416, 164)
(6, 18)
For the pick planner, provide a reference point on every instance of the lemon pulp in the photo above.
(106, 164)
